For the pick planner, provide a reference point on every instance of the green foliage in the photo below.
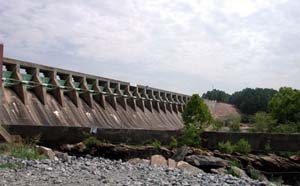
(173, 143)
(23, 151)
(255, 174)
(91, 141)
(217, 95)
(263, 122)
(286, 128)
(11, 166)
(217, 125)
(156, 144)
(250, 101)
(236, 163)
(242, 146)
(234, 124)
(196, 111)
(285, 105)
(226, 147)
(191, 135)
(232, 172)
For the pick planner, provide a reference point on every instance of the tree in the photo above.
(285, 105)
(250, 101)
(217, 95)
(196, 111)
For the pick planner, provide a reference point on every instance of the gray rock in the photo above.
(206, 162)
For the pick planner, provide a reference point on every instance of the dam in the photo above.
(38, 99)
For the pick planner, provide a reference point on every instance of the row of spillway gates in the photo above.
(40, 96)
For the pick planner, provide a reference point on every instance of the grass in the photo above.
(23, 151)
(242, 146)
(11, 166)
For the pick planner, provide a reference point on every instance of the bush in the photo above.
(236, 163)
(173, 143)
(191, 135)
(226, 147)
(91, 141)
(217, 125)
(156, 144)
(255, 174)
(196, 111)
(242, 146)
(234, 124)
(263, 122)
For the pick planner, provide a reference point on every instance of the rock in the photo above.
(239, 172)
(136, 161)
(46, 151)
(207, 162)
(62, 156)
(220, 171)
(158, 160)
(80, 147)
(180, 153)
(188, 168)
(171, 164)
(295, 158)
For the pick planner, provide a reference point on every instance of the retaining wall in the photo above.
(258, 141)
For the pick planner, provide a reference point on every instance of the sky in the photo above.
(186, 46)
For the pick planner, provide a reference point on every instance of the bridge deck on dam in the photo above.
(39, 95)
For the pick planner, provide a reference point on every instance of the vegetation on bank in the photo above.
(242, 146)
(19, 150)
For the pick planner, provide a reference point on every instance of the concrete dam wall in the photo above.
(43, 96)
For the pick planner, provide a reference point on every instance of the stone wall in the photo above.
(258, 141)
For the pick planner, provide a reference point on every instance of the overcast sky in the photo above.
(179, 45)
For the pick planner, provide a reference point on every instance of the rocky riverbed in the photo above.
(71, 170)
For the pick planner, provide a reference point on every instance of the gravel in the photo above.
(99, 171)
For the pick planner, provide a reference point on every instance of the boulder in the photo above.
(46, 151)
(180, 153)
(188, 168)
(206, 162)
(171, 164)
(158, 161)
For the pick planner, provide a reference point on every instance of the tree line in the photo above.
(268, 108)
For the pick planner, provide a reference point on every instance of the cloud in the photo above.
(187, 46)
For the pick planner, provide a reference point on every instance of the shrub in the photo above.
(268, 147)
(191, 135)
(234, 124)
(232, 172)
(236, 163)
(91, 141)
(255, 174)
(242, 146)
(263, 122)
(196, 111)
(173, 143)
(226, 147)
(156, 144)
(217, 125)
